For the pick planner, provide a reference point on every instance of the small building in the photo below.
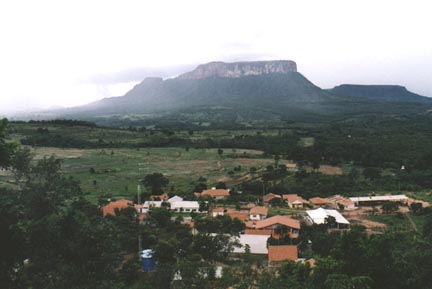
(112, 207)
(258, 213)
(242, 216)
(378, 200)
(214, 193)
(185, 206)
(318, 202)
(291, 167)
(175, 199)
(267, 198)
(218, 212)
(277, 254)
(319, 216)
(295, 201)
(273, 225)
(338, 201)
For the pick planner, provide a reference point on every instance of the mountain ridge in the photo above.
(243, 92)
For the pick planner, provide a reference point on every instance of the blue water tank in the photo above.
(148, 263)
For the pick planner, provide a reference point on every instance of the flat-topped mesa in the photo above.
(240, 69)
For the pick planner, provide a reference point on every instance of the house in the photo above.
(337, 201)
(217, 212)
(175, 199)
(278, 254)
(242, 216)
(318, 202)
(112, 207)
(291, 167)
(378, 200)
(257, 243)
(278, 226)
(320, 215)
(185, 206)
(214, 193)
(163, 197)
(295, 201)
(267, 198)
(258, 213)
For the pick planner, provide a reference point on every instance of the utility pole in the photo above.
(139, 225)
(139, 194)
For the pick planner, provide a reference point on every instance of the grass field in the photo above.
(117, 171)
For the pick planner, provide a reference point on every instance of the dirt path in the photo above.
(413, 225)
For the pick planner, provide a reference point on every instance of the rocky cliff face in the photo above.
(239, 69)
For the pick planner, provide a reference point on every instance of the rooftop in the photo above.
(216, 193)
(318, 201)
(282, 253)
(319, 215)
(258, 210)
(110, 208)
(275, 220)
(379, 198)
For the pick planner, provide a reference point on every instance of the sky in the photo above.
(67, 53)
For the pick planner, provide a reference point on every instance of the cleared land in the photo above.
(116, 172)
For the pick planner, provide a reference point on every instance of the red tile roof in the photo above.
(238, 215)
(112, 206)
(282, 253)
(218, 210)
(291, 166)
(215, 193)
(293, 197)
(271, 196)
(318, 201)
(278, 220)
(258, 232)
(258, 210)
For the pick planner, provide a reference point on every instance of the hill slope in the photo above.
(390, 93)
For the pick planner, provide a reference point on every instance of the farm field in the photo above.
(116, 172)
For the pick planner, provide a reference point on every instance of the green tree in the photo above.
(155, 182)
(390, 207)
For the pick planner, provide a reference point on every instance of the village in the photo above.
(272, 226)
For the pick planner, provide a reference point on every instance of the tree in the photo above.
(220, 151)
(155, 182)
(331, 222)
(372, 173)
(160, 216)
(416, 207)
(20, 164)
(390, 207)
(5, 148)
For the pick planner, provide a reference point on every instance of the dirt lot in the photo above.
(360, 216)
(40, 152)
(328, 170)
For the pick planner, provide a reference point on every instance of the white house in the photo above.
(319, 216)
(258, 213)
(175, 199)
(185, 206)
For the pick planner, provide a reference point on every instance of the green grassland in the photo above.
(117, 172)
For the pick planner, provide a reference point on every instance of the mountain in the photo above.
(234, 93)
(389, 93)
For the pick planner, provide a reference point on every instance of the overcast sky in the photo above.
(66, 53)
